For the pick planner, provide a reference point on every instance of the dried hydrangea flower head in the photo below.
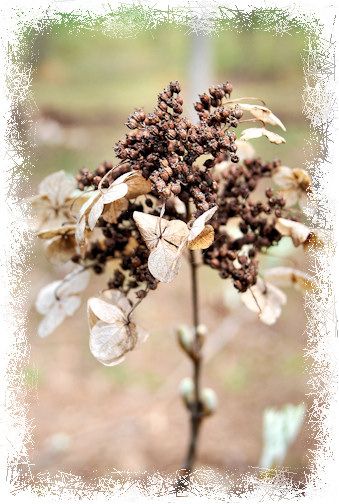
(179, 186)
(180, 190)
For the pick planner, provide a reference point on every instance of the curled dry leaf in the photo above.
(251, 133)
(59, 300)
(296, 230)
(54, 198)
(263, 114)
(294, 184)
(112, 332)
(283, 276)
(62, 244)
(264, 299)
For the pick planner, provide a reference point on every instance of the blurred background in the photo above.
(88, 418)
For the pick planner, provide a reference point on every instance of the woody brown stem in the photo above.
(196, 358)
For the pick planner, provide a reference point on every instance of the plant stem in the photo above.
(196, 361)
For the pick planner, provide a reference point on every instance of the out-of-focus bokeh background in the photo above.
(88, 418)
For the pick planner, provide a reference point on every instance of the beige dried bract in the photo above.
(59, 300)
(294, 184)
(112, 332)
(264, 299)
(296, 230)
(252, 133)
(263, 114)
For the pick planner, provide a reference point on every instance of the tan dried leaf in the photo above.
(263, 114)
(296, 230)
(203, 240)
(264, 299)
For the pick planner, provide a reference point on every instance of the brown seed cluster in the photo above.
(237, 258)
(165, 145)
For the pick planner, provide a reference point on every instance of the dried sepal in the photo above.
(59, 300)
(137, 185)
(252, 133)
(315, 240)
(298, 232)
(263, 114)
(294, 184)
(164, 239)
(284, 276)
(199, 223)
(203, 240)
(264, 299)
(111, 202)
(62, 244)
(55, 197)
(112, 331)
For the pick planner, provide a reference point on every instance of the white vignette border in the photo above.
(16, 242)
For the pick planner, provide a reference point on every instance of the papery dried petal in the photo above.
(263, 114)
(164, 262)
(57, 187)
(101, 310)
(199, 223)
(251, 133)
(284, 276)
(296, 230)
(264, 299)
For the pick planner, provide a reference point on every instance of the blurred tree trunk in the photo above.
(200, 74)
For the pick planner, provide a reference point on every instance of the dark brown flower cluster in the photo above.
(236, 258)
(164, 145)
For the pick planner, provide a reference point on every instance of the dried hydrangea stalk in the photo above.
(179, 190)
